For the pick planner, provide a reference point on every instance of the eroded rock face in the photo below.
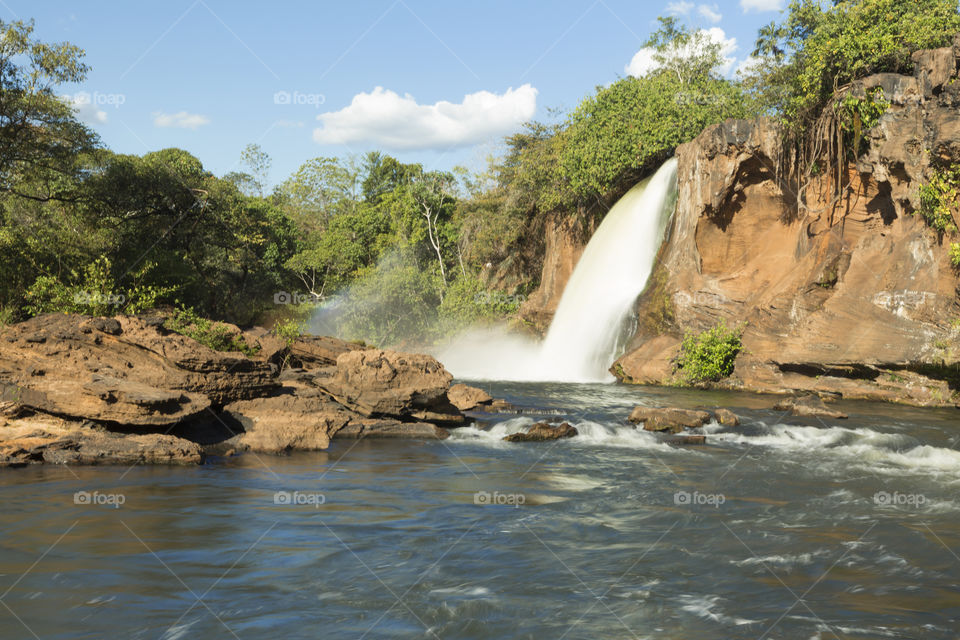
(465, 398)
(669, 419)
(294, 418)
(850, 294)
(408, 387)
(48, 439)
(125, 371)
(542, 431)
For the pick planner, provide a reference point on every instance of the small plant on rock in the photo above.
(709, 356)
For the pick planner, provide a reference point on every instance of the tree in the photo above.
(258, 163)
(41, 141)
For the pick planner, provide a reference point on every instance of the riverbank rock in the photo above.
(669, 419)
(314, 352)
(387, 384)
(465, 398)
(126, 371)
(294, 418)
(808, 406)
(373, 428)
(542, 431)
(47, 439)
(726, 417)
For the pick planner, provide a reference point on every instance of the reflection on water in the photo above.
(783, 528)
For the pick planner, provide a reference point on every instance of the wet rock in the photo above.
(726, 417)
(372, 428)
(808, 406)
(46, 439)
(669, 419)
(687, 439)
(388, 384)
(542, 431)
(465, 398)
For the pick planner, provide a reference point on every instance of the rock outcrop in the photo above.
(808, 406)
(543, 431)
(669, 419)
(465, 398)
(126, 390)
(839, 286)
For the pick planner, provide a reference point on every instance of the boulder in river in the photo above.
(465, 398)
(542, 431)
(726, 417)
(808, 406)
(669, 419)
(377, 383)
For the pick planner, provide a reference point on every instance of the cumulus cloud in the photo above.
(86, 111)
(748, 65)
(679, 8)
(180, 120)
(710, 12)
(761, 5)
(392, 121)
(643, 63)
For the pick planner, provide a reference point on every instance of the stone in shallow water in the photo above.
(808, 406)
(542, 431)
(670, 419)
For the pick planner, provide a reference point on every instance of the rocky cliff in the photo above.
(841, 287)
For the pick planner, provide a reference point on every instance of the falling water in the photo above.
(597, 303)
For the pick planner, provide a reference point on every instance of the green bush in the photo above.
(938, 198)
(215, 335)
(955, 254)
(709, 356)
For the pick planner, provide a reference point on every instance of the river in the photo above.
(781, 528)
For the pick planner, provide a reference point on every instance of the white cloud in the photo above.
(643, 63)
(710, 12)
(398, 122)
(180, 120)
(748, 64)
(680, 8)
(761, 5)
(86, 111)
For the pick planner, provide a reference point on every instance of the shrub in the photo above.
(709, 356)
(938, 198)
(215, 335)
(955, 254)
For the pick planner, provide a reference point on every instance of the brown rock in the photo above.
(47, 439)
(373, 428)
(542, 431)
(313, 352)
(466, 398)
(670, 419)
(808, 406)
(293, 419)
(727, 418)
(841, 293)
(688, 438)
(120, 370)
(388, 384)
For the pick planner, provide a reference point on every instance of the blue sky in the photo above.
(438, 82)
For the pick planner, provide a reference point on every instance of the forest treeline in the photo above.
(402, 250)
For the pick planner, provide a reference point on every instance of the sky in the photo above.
(437, 82)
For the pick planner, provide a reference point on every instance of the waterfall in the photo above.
(597, 304)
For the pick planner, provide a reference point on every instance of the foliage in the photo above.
(939, 198)
(94, 292)
(215, 335)
(709, 356)
(955, 254)
(858, 114)
(820, 47)
(288, 330)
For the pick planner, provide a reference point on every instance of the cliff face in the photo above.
(845, 293)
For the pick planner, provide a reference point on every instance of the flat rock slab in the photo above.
(808, 406)
(465, 398)
(669, 419)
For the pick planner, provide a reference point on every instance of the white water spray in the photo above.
(582, 341)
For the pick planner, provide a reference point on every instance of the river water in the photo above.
(781, 528)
